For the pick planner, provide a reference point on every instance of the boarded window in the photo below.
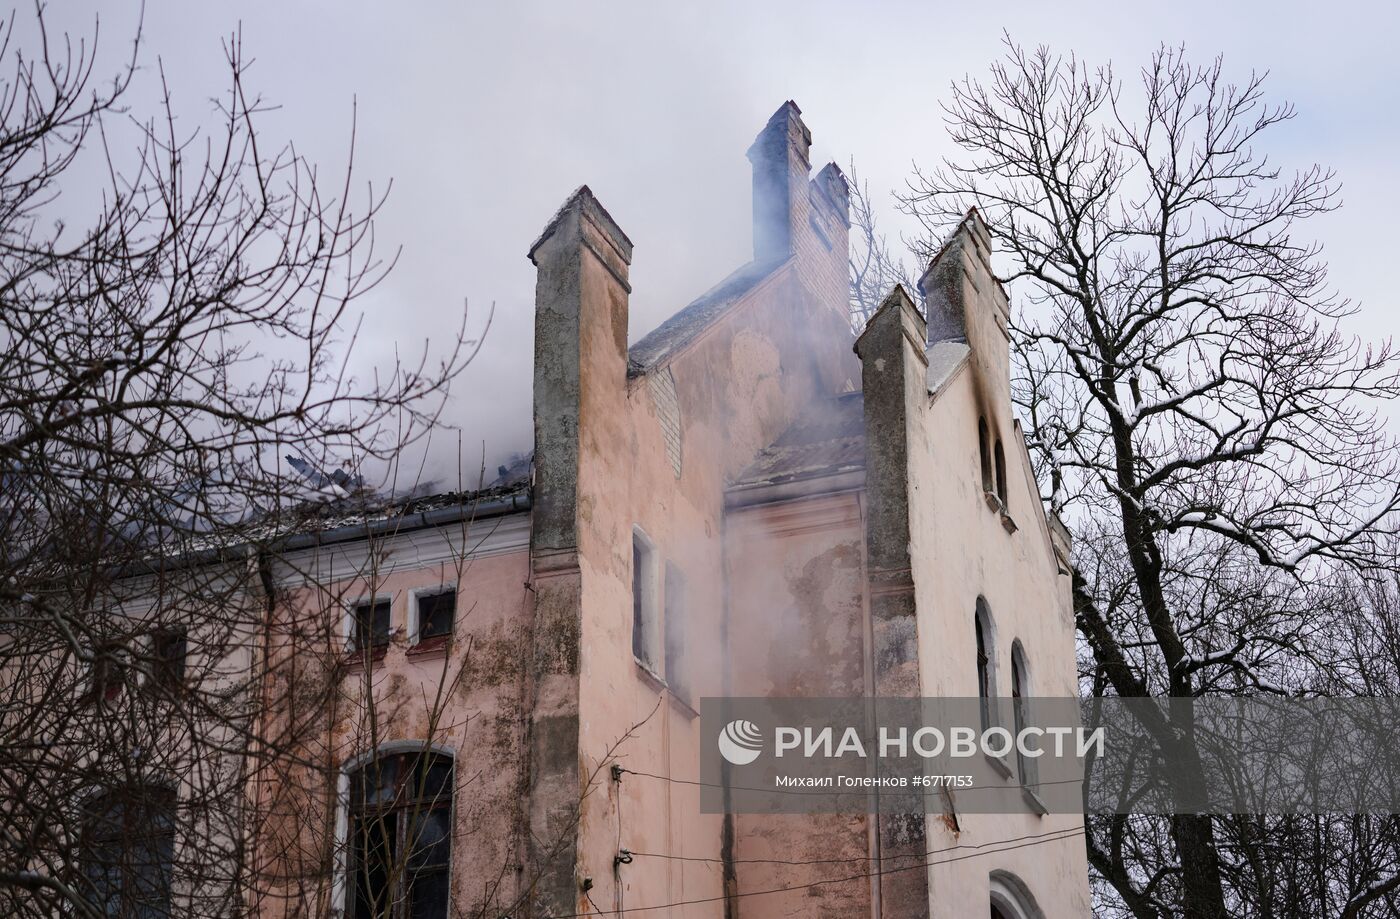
(436, 614)
(677, 675)
(128, 852)
(370, 625)
(401, 837)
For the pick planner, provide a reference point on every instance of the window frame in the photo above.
(999, 467)
(415, 614)
(648, 647)
(984, 632)
(375, 651)
(984, 625)
(342, 890)
(1010, 896)
(161, 676)
(1026, 771)
(984, 453)
(108, 673)
(136, 791)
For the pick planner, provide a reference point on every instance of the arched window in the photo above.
(1011, 898)
(1020, 691)
(986, 671)
(984, 451)
(400, 836)
(128, 851)
(1001, 472)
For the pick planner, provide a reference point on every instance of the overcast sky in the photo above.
(485, 116)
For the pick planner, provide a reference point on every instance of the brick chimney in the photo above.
(780, 168)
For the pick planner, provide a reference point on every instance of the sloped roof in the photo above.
(683, 327)
(827, 438)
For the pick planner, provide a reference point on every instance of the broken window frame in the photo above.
(116, 822)
(387, 796)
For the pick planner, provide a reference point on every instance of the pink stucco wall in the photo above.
(464, 698)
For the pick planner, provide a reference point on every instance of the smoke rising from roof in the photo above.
(485, 117)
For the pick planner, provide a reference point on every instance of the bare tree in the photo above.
(875, 266)
(178, 377)
(1194, 409)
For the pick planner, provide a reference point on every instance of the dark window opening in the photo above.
(108, 672)
(985, 689)
(1001, 473)
(127, 852)
(1025, 765)
(168, 650)
(401, 837)
(436, 614)
(985, 453)
(677, 676)
(370, 628)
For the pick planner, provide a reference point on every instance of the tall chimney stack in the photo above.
(780, 168)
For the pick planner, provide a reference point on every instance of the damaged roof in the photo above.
(683, 327)
(826, 439)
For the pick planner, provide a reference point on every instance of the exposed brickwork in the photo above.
(668, 414)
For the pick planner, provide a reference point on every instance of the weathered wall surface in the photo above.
(465, 697)
(965, 548)
(659, 432)
(797, 627)
(855, 590)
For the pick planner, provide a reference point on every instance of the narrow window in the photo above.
(168, 650)
(1001, 473)
(644, 612)
(127, 851)
(1025, 766)
(985, 453)
(400, 837)
(436, 614)
(676, 675)
(107, 675)
(986, 687)
(370, 625)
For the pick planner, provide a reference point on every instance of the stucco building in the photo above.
(748, 500)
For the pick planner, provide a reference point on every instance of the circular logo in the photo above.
(740, 742)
